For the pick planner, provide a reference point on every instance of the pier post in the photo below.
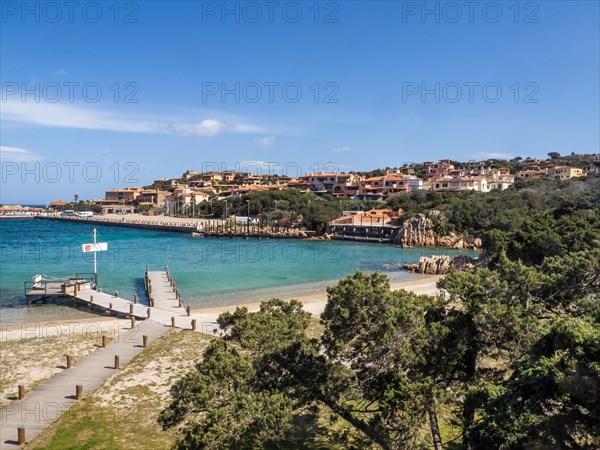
(145, 341)
(188, 310)
(149, 288)
(149, 312)
(152, 301)
(131, 305)
(91, 299)
(78, 391)
(135, 298)
(104, 340)
(174, 287)
(110, 308)
(28, 300)
(69, 361)
(193, 324)
(21, 391)
(21, 436)
(173, 322)
(116, 293)
(75, 290)
(117, 362)
(180, 303)
(132, 322)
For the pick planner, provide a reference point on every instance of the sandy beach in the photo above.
(315, 303)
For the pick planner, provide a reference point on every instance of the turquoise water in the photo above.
(208, 272)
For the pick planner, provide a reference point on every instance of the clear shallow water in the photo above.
(208, 272)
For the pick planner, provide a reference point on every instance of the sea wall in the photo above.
(115, 223)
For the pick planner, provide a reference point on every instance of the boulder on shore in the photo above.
(441, 264)
(419, 231)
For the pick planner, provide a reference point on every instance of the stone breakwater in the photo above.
(195, 227)
(164, 225)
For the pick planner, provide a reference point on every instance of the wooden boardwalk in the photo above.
(46, 403)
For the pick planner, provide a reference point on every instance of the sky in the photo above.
(97, 95)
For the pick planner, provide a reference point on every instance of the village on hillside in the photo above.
(173, 196)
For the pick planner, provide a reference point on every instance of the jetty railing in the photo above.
(34, 285)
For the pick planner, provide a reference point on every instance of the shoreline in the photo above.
(312, 302)
(315, 302)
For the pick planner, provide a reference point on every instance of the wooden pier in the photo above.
(165, 304)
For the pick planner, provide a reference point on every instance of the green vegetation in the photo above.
(509, 358)
(311, 211)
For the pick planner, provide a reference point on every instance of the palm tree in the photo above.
(76, 197)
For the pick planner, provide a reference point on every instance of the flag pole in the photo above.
(95, 275)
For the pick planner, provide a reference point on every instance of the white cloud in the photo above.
(16, 154)
(495, 155)
(345, 148)
(107, 151)
(60, 72)
(72, 116)
(267, 141)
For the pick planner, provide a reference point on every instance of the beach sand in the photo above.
(315, 303)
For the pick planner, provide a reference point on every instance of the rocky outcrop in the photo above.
(419, 231)
(441, 264)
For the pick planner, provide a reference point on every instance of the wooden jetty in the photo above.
(165, 304)
(22, 420)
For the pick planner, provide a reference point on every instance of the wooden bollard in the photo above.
(69, 361)
(116, 293)
(152, 301)
(193, 324)
(110, 308)
(21, 436)
(149, 312)
(135, 298)
(117, 362)
(78, 391)
(174, 287)
(147, 269)
(132, 322)
(91, 299)
(104, 340)
(131, 308)
(145, 341)
(21, 391)
(173, 322)
(75, 290)
(188, 309)
(180, 303)
(149, 289)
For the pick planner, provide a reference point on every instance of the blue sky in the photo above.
(510, 81)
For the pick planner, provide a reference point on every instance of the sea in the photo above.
(208, 271)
